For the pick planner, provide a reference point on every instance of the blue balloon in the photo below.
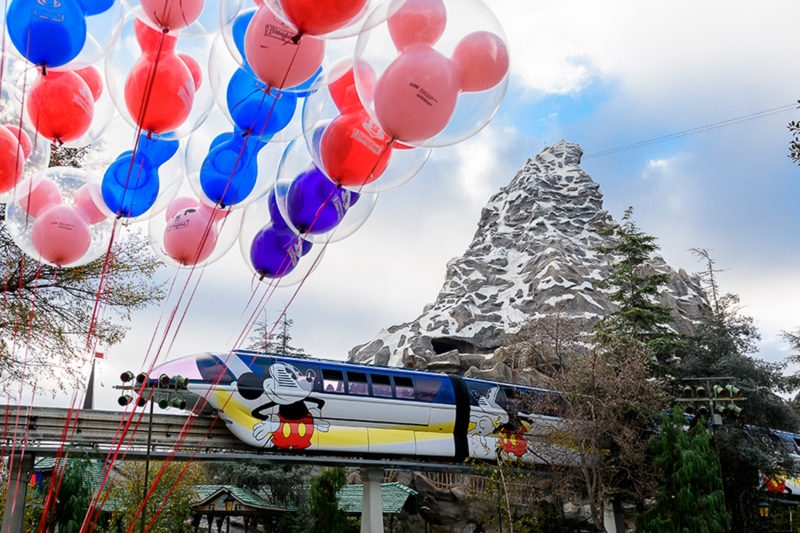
(131, 184)
(230, 169)
(255, 110)
(315, 204)
(239, 29)
(95, 7)
(275, 252)
(48, 33)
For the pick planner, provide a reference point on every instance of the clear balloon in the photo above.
(54, 220)
(348, 144)
(181, 18)
(273, 251)
(440, 66)
(66, 34)
(131, 184)
(152, 79)
(193, 234)
(311, 204)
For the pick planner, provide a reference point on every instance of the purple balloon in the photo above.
(274, 212)
(276, 251)
(315, 204)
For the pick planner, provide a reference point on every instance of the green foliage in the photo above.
(279, 483)
(127, 494)
(635, 286)
(723, 346)
(690, 496)
(51, 308)
(324, 513)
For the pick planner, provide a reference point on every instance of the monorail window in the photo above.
(211, 369)
(332, 380)
(357, 383)
(428, 388)
(381, 386)
(403, 388)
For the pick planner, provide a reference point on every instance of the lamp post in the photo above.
(229, 499)
(763, 511)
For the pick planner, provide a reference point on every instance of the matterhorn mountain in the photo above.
(533, 255)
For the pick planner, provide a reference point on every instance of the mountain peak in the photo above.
(533, 254)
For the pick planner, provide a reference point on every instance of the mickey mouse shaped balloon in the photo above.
(15, 148)
(61, 103)
(51, 33)
(192, 231)
(58, 229)
(160, 88)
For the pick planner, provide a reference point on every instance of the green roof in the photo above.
(393, 497)
(204, 493)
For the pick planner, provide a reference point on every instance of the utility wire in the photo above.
(698, 129)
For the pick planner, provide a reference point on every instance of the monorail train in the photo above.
(314, 405)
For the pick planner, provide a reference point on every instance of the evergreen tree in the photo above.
(794, 143)
(269, 337)
(324, 513)
(724, 345)
(690, 496)
(635, 286)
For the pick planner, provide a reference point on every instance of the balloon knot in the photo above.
(149, 135)
(296, 38)
(165, 30)
(44, 69)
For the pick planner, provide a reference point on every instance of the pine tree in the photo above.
(269, 337)
(724, 345)
(635, 286)
(324, 512)
(690, 497)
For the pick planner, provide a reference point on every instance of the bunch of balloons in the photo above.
(328, 103)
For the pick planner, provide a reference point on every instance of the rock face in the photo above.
(533, 255)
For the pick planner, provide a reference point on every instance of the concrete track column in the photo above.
(14, 515)
(372, 504)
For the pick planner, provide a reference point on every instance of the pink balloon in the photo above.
(274, 56)
(23, 139)
(416, 95)
(84, 203)
(482, 61)
(172, 14)
(215, 214)
(190, 236)
(179, 204)
(418, 21)
(61, 235)
(45, 194)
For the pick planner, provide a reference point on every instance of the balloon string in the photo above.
(22, 386)
(182, 435)
(103, 276)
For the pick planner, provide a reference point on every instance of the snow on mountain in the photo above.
(533, 254)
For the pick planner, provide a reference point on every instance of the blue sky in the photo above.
(602, 75)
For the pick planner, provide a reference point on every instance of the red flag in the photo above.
(99, 355)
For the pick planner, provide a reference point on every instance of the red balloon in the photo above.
(61, 235)
(12, 160)
(153, 42)
(167, 94)
(318, 17)
(61, 106)
(354, 149)
(93, 80)
(172, 14)
(343, 89)
(194, 68)
(23, 139)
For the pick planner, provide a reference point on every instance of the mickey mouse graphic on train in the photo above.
(289, 416)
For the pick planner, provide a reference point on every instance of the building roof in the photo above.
(207, 493)
(393, 497)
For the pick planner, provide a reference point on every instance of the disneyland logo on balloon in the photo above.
(277, 32)
(364, 138)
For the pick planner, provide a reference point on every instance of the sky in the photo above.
(603, 75)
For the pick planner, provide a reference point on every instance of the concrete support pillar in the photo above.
(613, 518)
(372, 504)
(14, 515)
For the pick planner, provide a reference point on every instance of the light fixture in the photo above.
(763, 508)
(229, 499)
